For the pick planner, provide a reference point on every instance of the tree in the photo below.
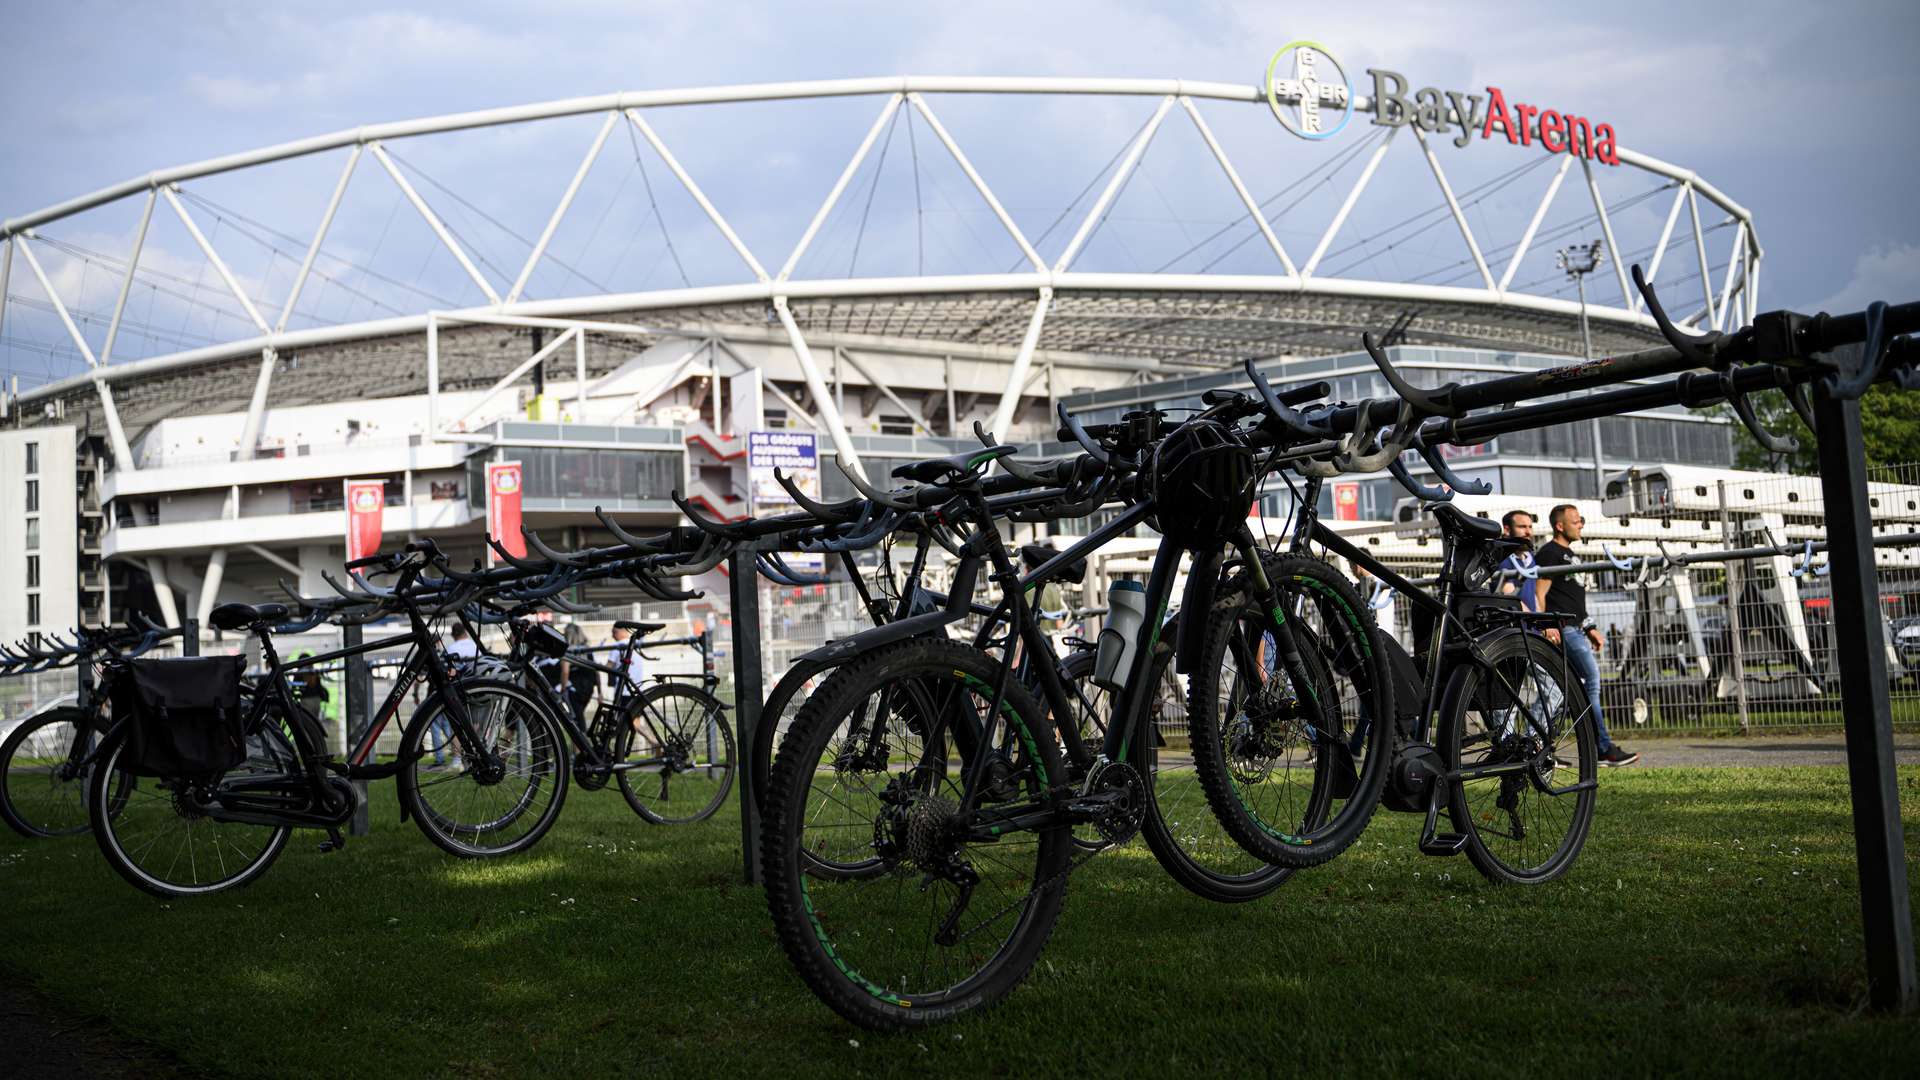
(1889, 425)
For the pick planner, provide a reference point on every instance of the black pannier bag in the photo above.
(184, 715)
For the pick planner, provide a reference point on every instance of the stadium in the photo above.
(215, 374)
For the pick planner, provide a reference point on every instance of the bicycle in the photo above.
(185, 833)
(930, 757)
(46, 760)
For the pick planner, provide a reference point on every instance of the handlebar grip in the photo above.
(370, 560)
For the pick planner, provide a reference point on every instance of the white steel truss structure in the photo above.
(1033, 308)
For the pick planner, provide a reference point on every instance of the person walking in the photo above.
(461, 652)
(1519, 524)
(1566, 595)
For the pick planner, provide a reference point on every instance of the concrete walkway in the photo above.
(1759, 750)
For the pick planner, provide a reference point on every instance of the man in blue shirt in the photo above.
(1519, 524)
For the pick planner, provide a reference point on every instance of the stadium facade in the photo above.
(212, 472)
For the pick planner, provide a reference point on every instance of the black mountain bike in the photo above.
(933, 783)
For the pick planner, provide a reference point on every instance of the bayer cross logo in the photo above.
(1309, 90)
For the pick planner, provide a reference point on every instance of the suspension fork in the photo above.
(1268, 597)
(1007, 576)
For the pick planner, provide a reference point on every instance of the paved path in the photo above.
(1657, 753)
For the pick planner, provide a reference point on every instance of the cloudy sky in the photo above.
(1792, 109)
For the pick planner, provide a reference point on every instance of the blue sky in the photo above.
(1755, 96)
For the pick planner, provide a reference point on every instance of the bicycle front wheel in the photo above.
(1292, 766)
(162, 834)
(498, 797)
(675, 760)
(41, 795)
(1527, 826)
(957, 906)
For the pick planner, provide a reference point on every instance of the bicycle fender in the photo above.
(834, 653)
(1203, 580)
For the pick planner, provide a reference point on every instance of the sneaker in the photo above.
(1616, 756)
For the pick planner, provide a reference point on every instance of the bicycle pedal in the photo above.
(333, 842)
(1092, 807)
(1441, 844)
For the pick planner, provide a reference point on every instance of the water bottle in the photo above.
(1126, 614)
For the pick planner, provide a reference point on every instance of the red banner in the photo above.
(503, 508)
(1346, 502)
(366, 505)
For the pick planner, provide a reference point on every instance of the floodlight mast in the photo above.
(1579, 261)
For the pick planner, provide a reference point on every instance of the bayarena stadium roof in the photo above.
(1178, 223)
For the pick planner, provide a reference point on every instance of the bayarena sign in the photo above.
(1311, 96)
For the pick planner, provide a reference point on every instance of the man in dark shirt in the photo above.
(1566, 594)
(1519, 525)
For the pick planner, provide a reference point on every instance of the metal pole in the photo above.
(743, 589)
(1885, 906)
(190, 637)
(1586, 353)
(358, 691)
(1733, 618)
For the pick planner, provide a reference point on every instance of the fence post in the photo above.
(743, 588)
(1861, 647)
(1734, 631)
(358, 691)
(190, 637)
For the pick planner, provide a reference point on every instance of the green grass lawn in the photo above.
(1712, 925)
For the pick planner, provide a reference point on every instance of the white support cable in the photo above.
(1017, 374)
(163, 590)
(210, 583)
(319, 236)
(1753, 286)
(1606, 230)
(1726, 288)
(817, 386)
(511, 377)
(1346, 207)
(1700, 247)
(1453, 204)
(1533, 226)
(980, 185)
(440, 230)
(126, 283)
(60, 308)
(1233, 177)
(219, 266)
(6, 273)
(1107, 194)
(840, 186)
(560, 211)
(1666, 236)
(693, 189)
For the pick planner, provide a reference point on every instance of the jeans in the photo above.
(439, 733)
(1581, 659)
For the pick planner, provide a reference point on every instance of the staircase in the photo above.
(717, 473)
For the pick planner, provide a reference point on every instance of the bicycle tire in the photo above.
(1464, 716)
(847, 970)
(719, 737)
(114, 827)
(477, 822)
(1236, 756)
(27, 782)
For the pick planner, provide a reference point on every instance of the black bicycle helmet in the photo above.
(1203, 479)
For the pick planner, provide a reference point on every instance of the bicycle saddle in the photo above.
(933, 470)
(242, 616)
(1460, 523)
(642, 628)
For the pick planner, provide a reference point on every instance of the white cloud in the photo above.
(1887, 273)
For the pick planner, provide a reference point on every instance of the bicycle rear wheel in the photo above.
(40, 796)
(1521, 707)
(463, 810)
(680, 745)
(157, 832)
(1293, 782)
(951, 917)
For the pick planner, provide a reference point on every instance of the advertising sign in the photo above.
(794, 453)
(366, 502)
(1346, 502)
(503, 508)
